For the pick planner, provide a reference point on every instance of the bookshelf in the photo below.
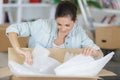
(94, 17)
(99, 15)
(23, 10)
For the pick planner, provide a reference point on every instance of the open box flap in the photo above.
(5, 72)
(52, 78)
(106, 73)
(55, 76)
(102, 73)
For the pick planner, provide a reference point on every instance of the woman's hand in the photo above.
(92, 52)
(25, 54)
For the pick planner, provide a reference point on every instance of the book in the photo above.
(118, 2)
(5, 1)
(6, 18)
(112, 19)
(34, 1)
(106, 19)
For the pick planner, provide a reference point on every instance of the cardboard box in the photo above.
(5, 72)
(57, 54)
(108, 37)
(4, 41)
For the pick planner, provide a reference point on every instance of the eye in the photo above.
(67, 25)
(58, 24)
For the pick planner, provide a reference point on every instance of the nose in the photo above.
(63, 28)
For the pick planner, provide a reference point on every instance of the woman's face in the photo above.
(65, 24)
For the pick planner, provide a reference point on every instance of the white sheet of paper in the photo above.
(78, 59)
(82, 66)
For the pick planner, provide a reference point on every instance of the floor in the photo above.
(112, 65)
(3, 59)
(4, 62)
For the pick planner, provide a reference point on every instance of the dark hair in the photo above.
(66, 8)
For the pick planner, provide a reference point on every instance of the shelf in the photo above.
(28, 5)
(95, 24)
(100, 17)
(106, 10)
(102, 13)
(10, 5)
(36, 5)
(101, 24)
(16, 10)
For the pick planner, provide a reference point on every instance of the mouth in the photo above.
(63, 31)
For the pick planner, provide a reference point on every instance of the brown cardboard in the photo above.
(108, 37)
(59, 55)
(5, 72)
(5, 43)
(52, 78)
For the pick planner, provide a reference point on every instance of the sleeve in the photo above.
(86, 41)
(24, 29)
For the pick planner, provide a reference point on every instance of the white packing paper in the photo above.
(42, 64)
(74, 65)
(81, 65)
(68, 56)
(18, 69)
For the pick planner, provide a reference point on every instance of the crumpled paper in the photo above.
(42, 64)
(81, 65)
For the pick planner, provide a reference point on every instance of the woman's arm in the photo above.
(14, 41)
(13, 38)
(24, 29)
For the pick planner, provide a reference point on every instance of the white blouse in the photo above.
(58, 46)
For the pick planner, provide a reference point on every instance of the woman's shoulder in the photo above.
(46, 24)
(44, 21)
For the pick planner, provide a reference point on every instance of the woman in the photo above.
(63, 32)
